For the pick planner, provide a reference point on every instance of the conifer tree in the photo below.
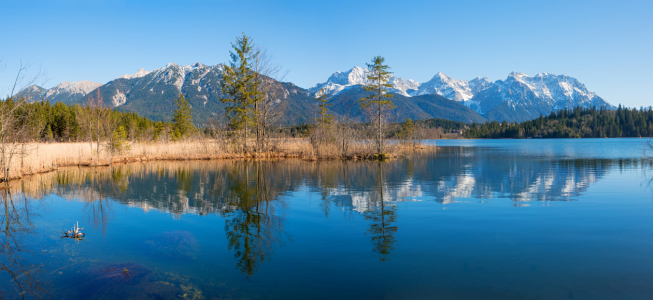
(119, 140)
(322, 133)
(48, 133)
(407, 129)
(159, 127)
(240, 87)
(182, 119)
(322, 102)
(378, 102)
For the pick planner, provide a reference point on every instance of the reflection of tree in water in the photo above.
(246, 192)
(98, 208)
(14, 254)
(251, 226)
(326, 179)
(381, 215)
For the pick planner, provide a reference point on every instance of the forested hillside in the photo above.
(578, 122)
(65, 122)
(346, 104)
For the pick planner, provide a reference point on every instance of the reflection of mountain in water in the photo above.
(250, 195)
(519, 179)
(360, 200)
(448, 175)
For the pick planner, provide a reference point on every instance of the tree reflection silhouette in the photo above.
(98, 208)
(252, 228)
(381, 215)
(246, 193)
(15, 254)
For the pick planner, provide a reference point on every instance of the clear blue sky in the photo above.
(607, 45)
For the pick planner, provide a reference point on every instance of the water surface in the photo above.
(490, 219)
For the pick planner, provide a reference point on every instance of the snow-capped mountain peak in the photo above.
(342, 81)
(555, 89)
(478, 84)
(446, 86)
(140, 73)
(518, 97)
(356, 75)
(66, 91)
(517, 75)
(76, 87)
(526, 96)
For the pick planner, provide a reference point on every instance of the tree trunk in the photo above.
(98, 137)
(379, 120)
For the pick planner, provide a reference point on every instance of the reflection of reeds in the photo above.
(77, 180)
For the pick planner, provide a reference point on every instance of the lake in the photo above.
(472, 219)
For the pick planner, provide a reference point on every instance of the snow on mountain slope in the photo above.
(447, 87)
(478, 84)
(525, 96)
(152, 93)
(559, 91)
(78, 87)
(140, 73)
(403, 87)
(66, 92)
(521, 97)
(342, 81)
(175, 75)
(197, 80)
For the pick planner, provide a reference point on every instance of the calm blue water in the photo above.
(476, 219)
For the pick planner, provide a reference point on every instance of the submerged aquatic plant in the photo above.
(119, 274)
(110, 281)
(175, 243)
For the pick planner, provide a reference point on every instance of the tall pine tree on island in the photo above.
(322, 133)
(325, 118)
(182, 119)
(378, 102)
(240, 86)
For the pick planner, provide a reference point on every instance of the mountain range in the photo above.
(518, 98)
(66, 92)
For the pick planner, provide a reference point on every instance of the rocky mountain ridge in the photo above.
(520, 97)
(66, 92)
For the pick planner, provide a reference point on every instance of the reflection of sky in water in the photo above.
(476, 219)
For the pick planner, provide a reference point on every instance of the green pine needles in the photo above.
(241, 87)
(407, 129)
(119, 140)
(182, 119)
(322, 102)
(378, 102)
(322, 134)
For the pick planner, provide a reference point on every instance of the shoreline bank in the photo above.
(39, 158)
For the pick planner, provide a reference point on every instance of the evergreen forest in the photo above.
(64, 122)
(61, 122)
(578, 122)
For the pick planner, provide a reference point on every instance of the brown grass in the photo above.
(46, 157)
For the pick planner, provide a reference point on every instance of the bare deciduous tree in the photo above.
(14, 119)
(94, 118)
(268, 107)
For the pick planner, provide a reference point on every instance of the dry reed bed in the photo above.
(46, 157)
